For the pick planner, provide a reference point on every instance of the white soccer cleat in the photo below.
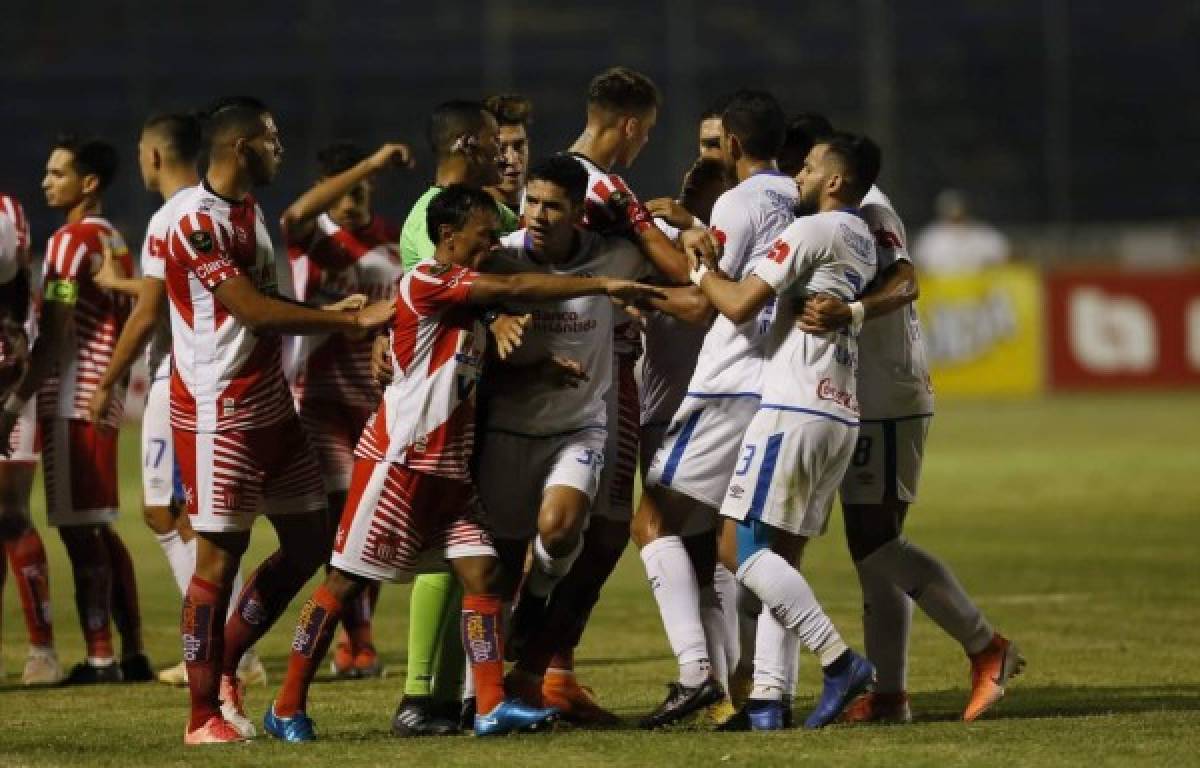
(250, 670)
(176, 675)
(215, 731)
(233, 710)
(42, 667)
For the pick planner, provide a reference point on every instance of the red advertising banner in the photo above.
(1112, 330)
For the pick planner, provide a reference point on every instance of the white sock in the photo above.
(791, 660)
(234, 593)
(773, 644)
(673, 582)
(727, 589)
(931, 584)
(468, 691)
(712, 618)
(181, 559)
(547, 569)
(887, 618)
(786, 593)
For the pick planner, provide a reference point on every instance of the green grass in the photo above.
(1072, 521)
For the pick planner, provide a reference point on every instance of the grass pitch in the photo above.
(1073, 521)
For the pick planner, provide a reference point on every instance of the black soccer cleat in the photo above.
(466, 715)
(528, 617)
(682, 701)
(136, 669)
(84, 673)
(418, 716)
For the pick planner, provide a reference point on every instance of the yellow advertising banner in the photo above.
(984, 332)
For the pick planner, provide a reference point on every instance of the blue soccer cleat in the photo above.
(513, 715)
(298, 727)
(839, 690)
(767, 715)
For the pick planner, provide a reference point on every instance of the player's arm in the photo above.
(739, 301)
(686, 302)
(493, 289)
(300, 217)
(111, 275)
(150, 310)
(264, 314)
(54, 329)
(667, 258)
(897, 287)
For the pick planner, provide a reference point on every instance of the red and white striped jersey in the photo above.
(14, 237)
(224, 375)
(73, 255)
(427, 418)
(330, 265)
(11, 207)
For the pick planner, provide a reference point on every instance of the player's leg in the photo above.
(31, 574)
(158, 484)
(892, 570)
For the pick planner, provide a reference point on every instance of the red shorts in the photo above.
(79, 461)
(395, 516)
(334, 429)
(230, 477)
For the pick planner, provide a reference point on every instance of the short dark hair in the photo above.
(859, 156)
(705, 171)
(453, 205)
(716, 108)
(237, 116)
(623, 91)
(452, 119)
(757, 120)
(510, 109)
(181, 130)
(339, 157)
(90, 157)
(563, 171)
(803, 131)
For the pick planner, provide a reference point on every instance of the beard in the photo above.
(804, 208)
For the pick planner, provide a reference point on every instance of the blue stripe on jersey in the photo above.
(721, 395)
(798, 409)
(763, 486)
(689, 426)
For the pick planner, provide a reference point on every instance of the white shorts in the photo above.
(516, 470)
(398, 522)
(22, 442)
(158, 452)
(231, 477)
(700, 449)
(887, 461)
(789, 469)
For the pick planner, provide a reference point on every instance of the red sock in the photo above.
(127, 614)
(314, 633)
(357, 619)
(202, 629)
(485, 648)
(32, 576)
(264, 598)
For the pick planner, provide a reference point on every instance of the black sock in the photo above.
(839, 665)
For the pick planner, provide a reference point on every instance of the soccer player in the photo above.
(239, 445)
(168, 149)
(464, 138)
(709, 138)
(800, 440)
(78, 324)
(689, 473)
(339, 247)
(23, 546)
(513, 116)
(896, 399)
(411, 491)
(622, 109)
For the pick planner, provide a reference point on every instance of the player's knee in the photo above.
(870, 527)
(481, 576)
(161, 520)
(344, 586)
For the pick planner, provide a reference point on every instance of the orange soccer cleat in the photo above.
(576, 703)
(991, 670)
(874, 707)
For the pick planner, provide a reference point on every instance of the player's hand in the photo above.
(701, 246)
(98, 405)
(622, 203)
(632, 293)
(823, 313)
(508, 329)
(111, 274)
(391, 155)
(671, 211)
(375, 315)
(563, 372)
(352, 302)
(381, 361)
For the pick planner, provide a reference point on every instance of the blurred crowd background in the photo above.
(1062, 136)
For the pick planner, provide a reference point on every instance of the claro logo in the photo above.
(1118, 334)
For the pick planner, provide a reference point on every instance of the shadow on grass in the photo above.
(1023, 702)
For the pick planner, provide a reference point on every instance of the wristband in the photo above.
(14, 404)
(698, 273)
(858, 313)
